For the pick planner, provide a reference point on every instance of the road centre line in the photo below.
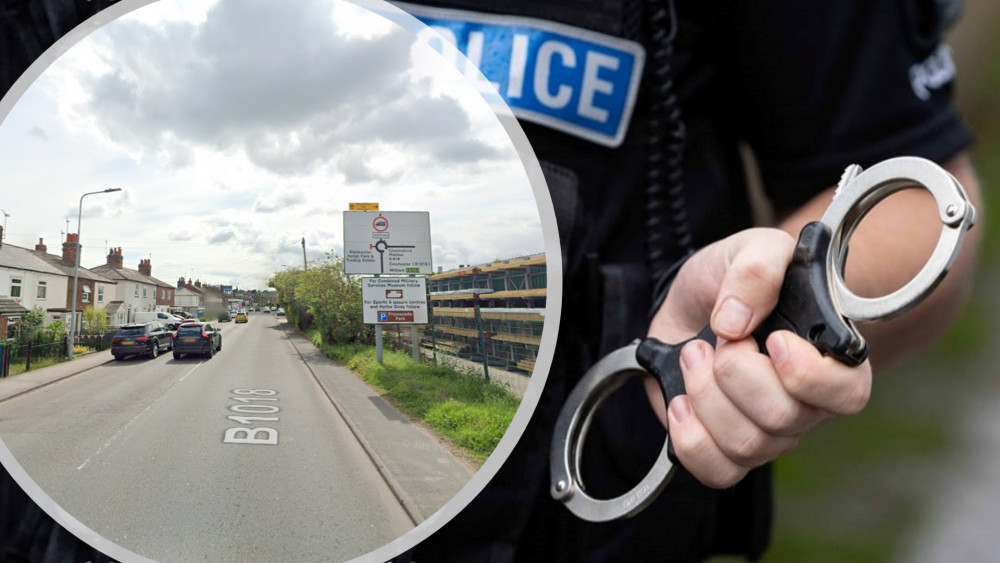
(123, 428)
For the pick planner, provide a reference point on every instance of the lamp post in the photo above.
(76, 270)
(5, 215)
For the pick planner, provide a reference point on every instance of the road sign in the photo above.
(363, 206)
(394, 300)
(387, 242)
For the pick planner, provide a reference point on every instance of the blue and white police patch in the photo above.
(577, 81)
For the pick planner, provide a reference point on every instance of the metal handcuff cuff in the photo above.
(814, 302)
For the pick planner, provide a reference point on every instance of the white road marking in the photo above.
(123, 428)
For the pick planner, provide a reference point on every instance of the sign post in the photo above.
(394, 300)
(390, 243)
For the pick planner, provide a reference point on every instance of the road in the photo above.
(148, 453)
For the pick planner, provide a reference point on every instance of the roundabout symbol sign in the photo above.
(372, 247)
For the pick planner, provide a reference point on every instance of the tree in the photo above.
(95, 321)
(30, 326)
(329, 296)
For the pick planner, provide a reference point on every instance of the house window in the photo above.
(100, 294)
(15, 287)
(86, 294)
(144, 293)
(137, 291)
(42, 289)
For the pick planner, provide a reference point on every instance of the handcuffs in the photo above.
(814, 302)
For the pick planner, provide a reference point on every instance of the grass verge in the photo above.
(471, 413)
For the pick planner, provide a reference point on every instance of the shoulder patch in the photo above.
(574, 80)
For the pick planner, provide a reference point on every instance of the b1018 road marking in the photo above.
(247, 400)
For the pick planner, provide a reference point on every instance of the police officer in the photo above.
(642, 114)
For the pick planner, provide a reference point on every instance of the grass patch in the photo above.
(18, 367)
(462, 406)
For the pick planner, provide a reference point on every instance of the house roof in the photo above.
(129, 274)
(9, 307)
(19, 258)
(66, 268)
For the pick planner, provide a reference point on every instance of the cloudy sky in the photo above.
(238, 127)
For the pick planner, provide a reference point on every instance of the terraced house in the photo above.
(33, 278)
(137, 290)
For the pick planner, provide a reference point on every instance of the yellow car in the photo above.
(241, 317)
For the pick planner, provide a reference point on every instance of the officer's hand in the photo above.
(743, 408)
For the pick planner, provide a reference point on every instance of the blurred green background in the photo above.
(915, 476)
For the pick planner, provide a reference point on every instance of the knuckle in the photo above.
(857, 398)
(727, 363)
(796, 379)
(723, 478)
(748, 449)
(779, 419)
(757, 273)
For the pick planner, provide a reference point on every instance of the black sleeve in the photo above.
(824, 84)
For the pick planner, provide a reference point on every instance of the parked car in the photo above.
(146, 339)
(197, 338)
(241, 317)
(169, 320)
(224, 317)
(267, 310)
(281, 312)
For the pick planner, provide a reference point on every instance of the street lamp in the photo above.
(5, 215)
(76, 269)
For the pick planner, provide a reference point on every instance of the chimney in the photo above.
(1, 236)
(145, 268)
(115, 257)
(71, 247)
(40, 247)
(180, 281)
(197, 283)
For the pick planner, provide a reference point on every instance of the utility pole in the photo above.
(305, 265)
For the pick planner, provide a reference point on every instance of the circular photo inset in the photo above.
(275, 280)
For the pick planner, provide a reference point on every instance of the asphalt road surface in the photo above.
(155, 456)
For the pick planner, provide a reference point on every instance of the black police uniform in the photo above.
(810, 87)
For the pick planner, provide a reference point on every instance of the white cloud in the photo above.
(240, 127)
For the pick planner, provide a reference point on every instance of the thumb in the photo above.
(756, 260)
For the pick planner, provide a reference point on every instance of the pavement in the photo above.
(419, 467)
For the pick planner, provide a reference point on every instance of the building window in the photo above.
(15, 287)
(100, 294)
(137, 291)
(42, 289)
(144, 293)
(86, 294)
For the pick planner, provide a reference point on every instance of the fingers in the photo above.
(733, 284)
(743, 409)
(817, 380)
(755, 268)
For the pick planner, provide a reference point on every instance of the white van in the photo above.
(170, 321)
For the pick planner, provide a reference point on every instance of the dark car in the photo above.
(146, 339)
(197, 338)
